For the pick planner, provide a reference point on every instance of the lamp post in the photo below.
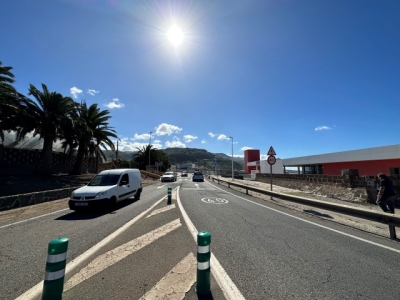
(232, 157)
(149, 149)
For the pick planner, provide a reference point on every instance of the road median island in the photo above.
(373, 215)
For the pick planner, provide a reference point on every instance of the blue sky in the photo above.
(306, 77)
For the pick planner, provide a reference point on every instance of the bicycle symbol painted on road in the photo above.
(214, 200)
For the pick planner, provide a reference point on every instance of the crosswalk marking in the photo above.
(177, 282)
(113, 256)
(158, 211)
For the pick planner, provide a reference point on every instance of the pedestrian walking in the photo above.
(386, 194)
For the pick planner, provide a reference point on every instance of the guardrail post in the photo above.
(169, 195)
(203, 262)
(392, 230)
(53, 284)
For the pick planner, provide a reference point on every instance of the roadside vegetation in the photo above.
(83, 130)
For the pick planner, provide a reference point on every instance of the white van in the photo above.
(107, 188)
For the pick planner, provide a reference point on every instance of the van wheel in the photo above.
(137, 195)
(113, 203)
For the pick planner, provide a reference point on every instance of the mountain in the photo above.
(200, 157)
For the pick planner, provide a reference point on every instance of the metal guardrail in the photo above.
(391, 220)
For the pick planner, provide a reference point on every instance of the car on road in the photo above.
(184, 174)
(107, 188)
(198, 176)
(168, 176)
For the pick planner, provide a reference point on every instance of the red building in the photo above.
(250, 155)
(368, 162)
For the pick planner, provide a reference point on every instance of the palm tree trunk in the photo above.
(45, 162)
(79, 161)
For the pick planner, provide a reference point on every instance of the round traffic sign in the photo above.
(271, 160)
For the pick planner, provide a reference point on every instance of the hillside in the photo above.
(200, 157)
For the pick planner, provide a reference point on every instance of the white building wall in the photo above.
(264, 166)
(385, 152)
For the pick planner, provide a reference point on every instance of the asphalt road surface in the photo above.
(267, 251)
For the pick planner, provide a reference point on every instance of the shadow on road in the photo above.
(208, 296)
(316, 213)
(87, 214)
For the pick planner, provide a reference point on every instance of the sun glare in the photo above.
(175, 35)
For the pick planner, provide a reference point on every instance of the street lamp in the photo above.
(149, 149)
(232, 157)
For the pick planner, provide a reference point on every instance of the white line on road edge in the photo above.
(113, 256)
(312, 223)
(37, 289)
(231, 292)
(177, 282)
(54, 212)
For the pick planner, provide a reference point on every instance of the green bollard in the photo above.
(203, 262)
(169, 195)
(53, 284)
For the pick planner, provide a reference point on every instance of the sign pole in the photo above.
(271, 160)
(270, 167)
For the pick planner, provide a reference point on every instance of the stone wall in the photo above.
(22, 162)
(348, 187)
(15, 201)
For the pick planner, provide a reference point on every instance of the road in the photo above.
(267, 251)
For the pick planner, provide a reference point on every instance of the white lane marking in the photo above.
(177, 282)
(321, 226)
(231, 292)
(15, 223)
(37, 289)
(197, 185)
(113, 256)
(161, 210)
(161, 186)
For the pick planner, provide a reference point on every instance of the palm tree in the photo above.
(6, 81)
(92, 133)
(141, 158)
(47, 117)
(9, 104)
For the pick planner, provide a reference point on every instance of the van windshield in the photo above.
(104, 180)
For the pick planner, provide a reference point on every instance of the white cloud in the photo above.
(176, 143)
(92, 92)
(75, 91)
(125, 144)
(189, 138)
(143, 136)
(114, 104)
(211, 134)
(203, 141)
(245, 148)
(167, 129)
(235, 155)
(223, 137)
(319, 128)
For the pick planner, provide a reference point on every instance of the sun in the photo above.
(175, 35)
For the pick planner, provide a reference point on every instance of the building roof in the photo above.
(377, 153)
